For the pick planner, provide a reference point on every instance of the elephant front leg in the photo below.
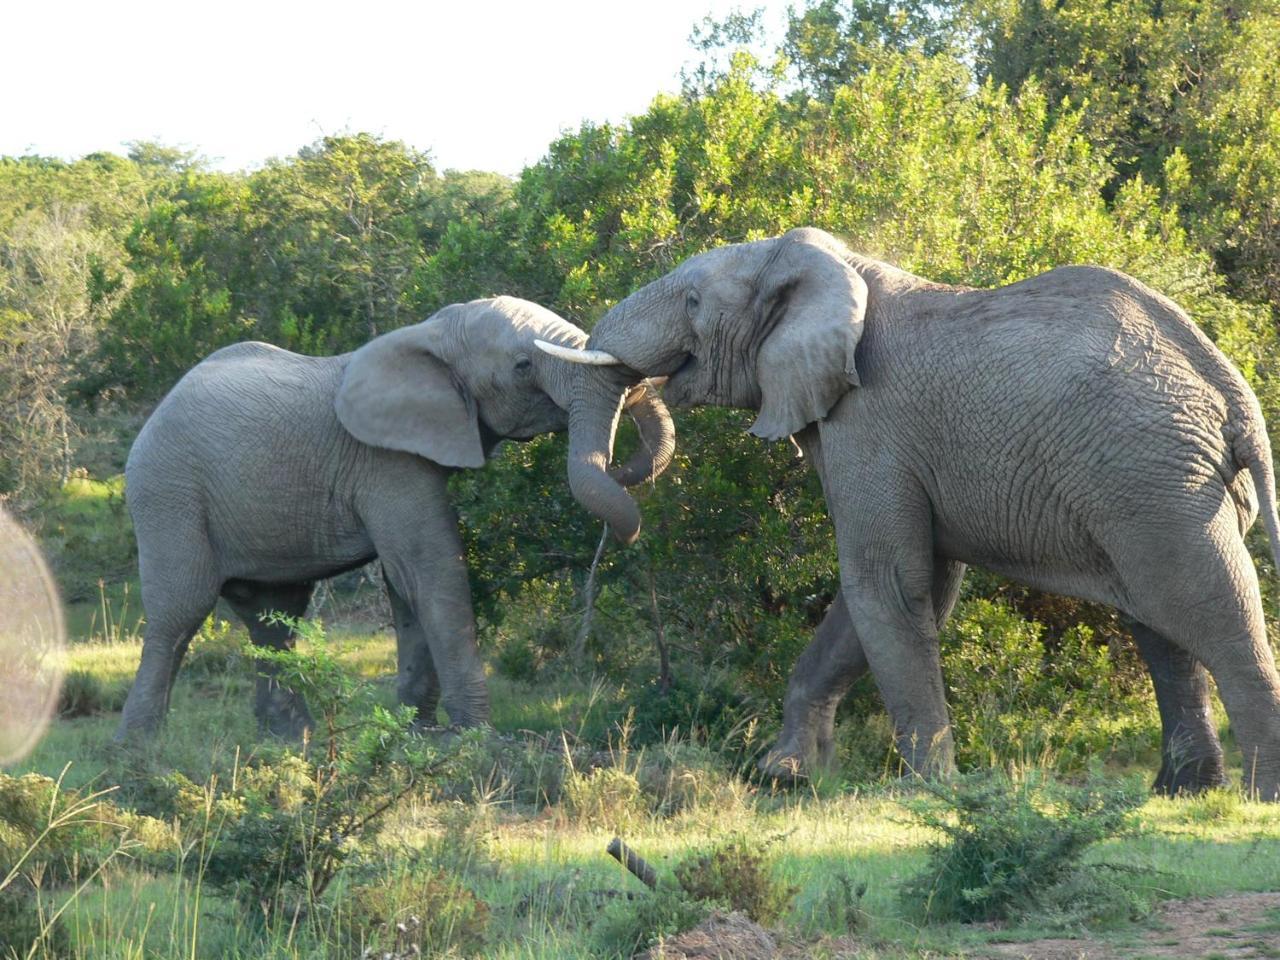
(891, 603)
(430, 575)
(417, 684)
(825, 672)
(822, 676)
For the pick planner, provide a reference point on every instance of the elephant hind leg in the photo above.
(1204, 598)
(280, 711)
(1190, 755)
(178, 592)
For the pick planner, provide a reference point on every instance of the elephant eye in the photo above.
(691, 302)
(524, 365)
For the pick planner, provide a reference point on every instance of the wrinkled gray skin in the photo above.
(264, 471)
(1075, 431)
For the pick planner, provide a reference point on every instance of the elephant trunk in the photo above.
(593, 422)
(657, 437)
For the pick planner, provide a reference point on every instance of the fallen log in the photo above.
(636, 865)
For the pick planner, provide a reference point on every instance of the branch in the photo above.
(589, 590)
(636, 865)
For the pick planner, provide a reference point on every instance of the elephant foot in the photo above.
(783, 765)
(286, 717)
(927, 757)
(1188, 778)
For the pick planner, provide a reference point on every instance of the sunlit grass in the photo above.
(542, 871)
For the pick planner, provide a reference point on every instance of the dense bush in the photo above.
(1012, 698)
(1009, 846)
(276, 836)
(58, 834)
(737, 873)
(425, 913)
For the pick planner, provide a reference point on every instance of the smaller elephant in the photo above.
(263, 471)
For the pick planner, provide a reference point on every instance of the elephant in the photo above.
(263, 471)
(1191, 757)
(1074, 431)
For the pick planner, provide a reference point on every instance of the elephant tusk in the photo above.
(595, 358)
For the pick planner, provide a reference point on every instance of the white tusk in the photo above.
(596, 358)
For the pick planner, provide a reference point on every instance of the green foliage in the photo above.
(627, 927)
(1013, 699)
(1011, 846)
(277, 835)
(427, 913)
(737, 873)
(27, 925)
(53, 835)
(608, 796)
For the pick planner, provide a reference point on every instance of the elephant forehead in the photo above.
(517, 323)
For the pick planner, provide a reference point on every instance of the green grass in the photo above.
(541, 870)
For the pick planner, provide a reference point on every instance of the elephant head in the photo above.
(771, 326)
(449, 388)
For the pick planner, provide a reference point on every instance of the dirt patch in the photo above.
(722, 936)
(1238, 927)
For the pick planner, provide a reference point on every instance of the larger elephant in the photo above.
(1075, 431)
(263, 471)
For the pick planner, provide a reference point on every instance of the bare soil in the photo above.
(1237, 927)
(722, 936)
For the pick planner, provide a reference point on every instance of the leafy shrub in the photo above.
(427, 913)
(483, 766)
(1011, 700)
(61, 834)
(626, 927)
(604, 797)
(738, 875)
(834, 908)
(25, 928)
(285, 827)
(1008, 847)
(702, 705)
(215, 651)
(84, 694)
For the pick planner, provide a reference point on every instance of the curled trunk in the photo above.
(657, 437)
(593, 423)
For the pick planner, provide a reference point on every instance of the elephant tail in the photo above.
(1256, 456)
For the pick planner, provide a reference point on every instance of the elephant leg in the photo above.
(417, 684)
(179, 588)
(425, 565)
(890, 594)
(1205, 600)
(1190, 754)
(823, 675)
(280, 711)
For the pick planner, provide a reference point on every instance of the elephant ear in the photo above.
(810, 306)
(398, 394)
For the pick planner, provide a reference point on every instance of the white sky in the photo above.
(480, 84)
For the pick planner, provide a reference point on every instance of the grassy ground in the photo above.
(541, 867)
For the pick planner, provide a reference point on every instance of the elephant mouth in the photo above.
(679, 390)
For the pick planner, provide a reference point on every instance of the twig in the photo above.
(636, 865)
(589, 590)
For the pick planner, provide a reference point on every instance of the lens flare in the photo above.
(31, 643)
